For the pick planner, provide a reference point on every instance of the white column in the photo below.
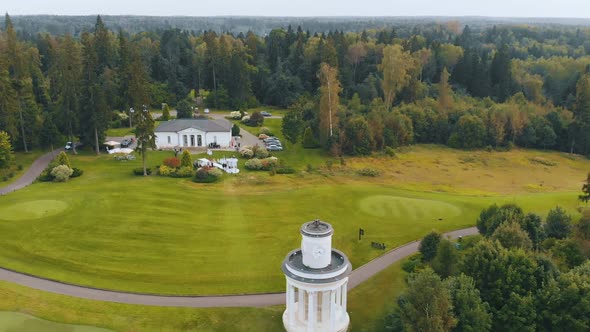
(344, 287)
(339, 295)
(332, 310)
(290, 303)
(301, 310)
(311, 311)
(325, 307)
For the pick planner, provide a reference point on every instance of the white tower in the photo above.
(317, 278)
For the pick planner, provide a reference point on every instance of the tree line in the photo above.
(521, 274)
(350, 92)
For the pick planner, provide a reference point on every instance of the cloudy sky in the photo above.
(504, 8)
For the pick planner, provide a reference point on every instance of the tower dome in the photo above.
(317, 279)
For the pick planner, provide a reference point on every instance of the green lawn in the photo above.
(120, 132)
(19, 322)
(113, 230)
(368, 304)
(20, 158)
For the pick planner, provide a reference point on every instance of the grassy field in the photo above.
(368, 304)
(113, 230)
(25, 159)
(19, 322)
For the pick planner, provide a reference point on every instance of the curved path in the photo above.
(31, 174)
(249, 300)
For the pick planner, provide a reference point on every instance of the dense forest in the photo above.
(350, 92)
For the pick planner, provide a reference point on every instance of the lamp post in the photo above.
(131, 111)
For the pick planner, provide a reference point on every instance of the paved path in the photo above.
(252, 300)
(31, 174)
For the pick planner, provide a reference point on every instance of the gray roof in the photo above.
(201, 124)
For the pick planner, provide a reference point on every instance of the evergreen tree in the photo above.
(6, 155)
(585, 197)
(144, 132)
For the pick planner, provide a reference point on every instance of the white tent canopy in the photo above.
(120, 150)
(112, 143)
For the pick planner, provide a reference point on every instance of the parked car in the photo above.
(271, 139)
(274, 147)
(126, 142)
(265, 113)
(206, 111)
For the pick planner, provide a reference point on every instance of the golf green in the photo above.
(407, 208)
(33, 210)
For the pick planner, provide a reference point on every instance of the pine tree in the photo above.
(186, 160)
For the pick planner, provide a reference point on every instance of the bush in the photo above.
(246, 119)
(62, 159)
(139, 171)
(265, 131)
(19, 167)
(236, 115)
(61, 173)
(390, 151)
(5, 178)
(285, 170)
(235, 130)
(166, 171)
(261, 152)
(216, 172)
(255, 120)
(186, 161)
(203, 176)
(368, 172)
(246, 152)
(172, 162)
(76, 172)
(253, 164)
(185, 172)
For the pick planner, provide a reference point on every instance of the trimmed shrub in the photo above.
(186, 161)
(265, 131)
(202, 176)
(235, 130)
(255, 120)
(139, 171)
(62, 159)
(261, 152)
(172, 162)
(61, 173)
(19, 167)
(76, 172)
(247, 152)
(285, 170)
(246, 119)
(368, 172)
(185, 172)
(166, 171)
(253, 164)
(216, 172)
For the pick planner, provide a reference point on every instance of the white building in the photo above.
(193, 133)
(317, 279)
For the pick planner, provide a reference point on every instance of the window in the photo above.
(184, 140)
(169, 140)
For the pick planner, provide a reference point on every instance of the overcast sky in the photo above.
(504, 8)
